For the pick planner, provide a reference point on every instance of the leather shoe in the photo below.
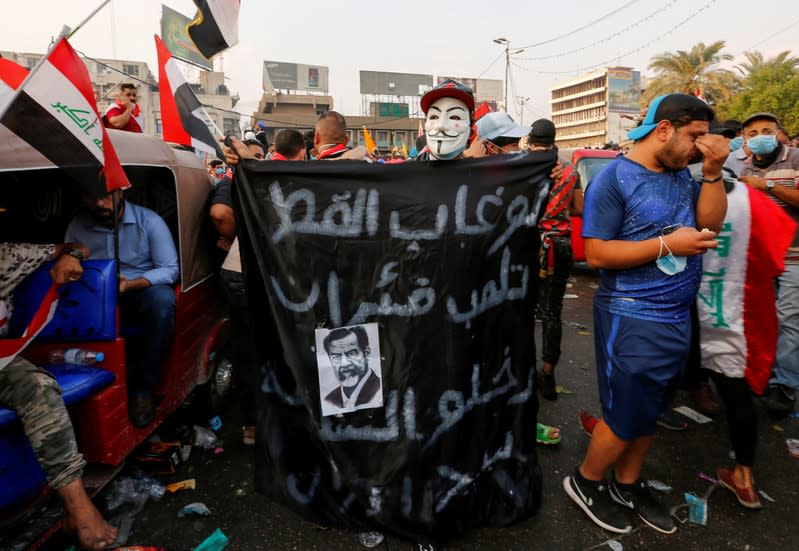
(779, 400)
(746, 496)
(705, 401)
(141, 410)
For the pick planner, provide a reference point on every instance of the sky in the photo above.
(440, 37)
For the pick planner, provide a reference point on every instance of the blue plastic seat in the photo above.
(86, 312)
(86, 308)
(77, 382)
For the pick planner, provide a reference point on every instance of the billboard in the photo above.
(394, 84)
(489, 89)
(624, 90)
(484, 89)
(387, 109)
(177, 41)
(279, 75)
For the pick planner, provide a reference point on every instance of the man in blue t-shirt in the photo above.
(642, 219)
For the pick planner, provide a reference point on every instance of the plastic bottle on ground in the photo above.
(75, 356)
(370, 539)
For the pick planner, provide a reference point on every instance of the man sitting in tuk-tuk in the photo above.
(34, 395)
(149, 267)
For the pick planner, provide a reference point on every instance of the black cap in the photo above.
(449, 89)
(671, 107)
(760, 116)
(733, 124)
(717, 127)
(542, 132)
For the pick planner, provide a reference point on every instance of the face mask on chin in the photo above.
(447, 128)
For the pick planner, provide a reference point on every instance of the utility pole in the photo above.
(522, 101)
(505, 42)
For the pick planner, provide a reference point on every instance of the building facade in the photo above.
(596, 108)
(301, 111)
(107, 74)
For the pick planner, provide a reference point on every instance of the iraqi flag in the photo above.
(736, 302)
(215, 28)
(182, 115)
(54, 111)
(11, 76)
(11, 347)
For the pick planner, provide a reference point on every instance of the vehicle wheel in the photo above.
(220, 384)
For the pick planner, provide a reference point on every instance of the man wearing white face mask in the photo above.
(774, 170)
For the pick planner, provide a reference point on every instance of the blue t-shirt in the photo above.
(629, 202)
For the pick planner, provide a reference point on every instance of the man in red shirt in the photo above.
(125, 112)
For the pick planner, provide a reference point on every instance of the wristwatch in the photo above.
(75, 253)
(770, 186)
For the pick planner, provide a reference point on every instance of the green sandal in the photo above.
(542, 435)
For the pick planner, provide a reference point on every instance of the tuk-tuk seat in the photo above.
(77, 383)
(20, 473)
(86, 308)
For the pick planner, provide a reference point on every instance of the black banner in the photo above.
(419, 416)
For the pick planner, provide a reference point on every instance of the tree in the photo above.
(771, 85)
(755, 63)
(697, 69)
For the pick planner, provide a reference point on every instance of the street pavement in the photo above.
(253, 522)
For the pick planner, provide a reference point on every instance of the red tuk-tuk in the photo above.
(37, 201)
(588, 163)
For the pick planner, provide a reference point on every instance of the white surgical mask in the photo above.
(447, 128)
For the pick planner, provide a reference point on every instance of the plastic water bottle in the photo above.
(75, 356)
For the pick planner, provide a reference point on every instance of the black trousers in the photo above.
(550, 299)
(245, 367)
(741, 417)
(694, 374)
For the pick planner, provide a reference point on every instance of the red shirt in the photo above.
(134, 123)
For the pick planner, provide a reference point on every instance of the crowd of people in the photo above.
(649, 222)
(689, 186)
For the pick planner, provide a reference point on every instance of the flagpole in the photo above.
(82, 23)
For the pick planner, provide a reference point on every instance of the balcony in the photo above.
(578, 109)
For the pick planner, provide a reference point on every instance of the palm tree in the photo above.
(755, 63)
(697, 69)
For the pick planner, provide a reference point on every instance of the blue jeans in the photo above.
(786, 368)
(152, 312)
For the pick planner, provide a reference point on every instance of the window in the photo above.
(230, 126)
(382, 139)
(130, 69)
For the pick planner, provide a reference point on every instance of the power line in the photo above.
(605, 39)
(578, 29)
(115, 69)
(772, 35)
(635, 50)
(492, 64)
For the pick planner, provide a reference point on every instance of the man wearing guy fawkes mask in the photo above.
(449, 110)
